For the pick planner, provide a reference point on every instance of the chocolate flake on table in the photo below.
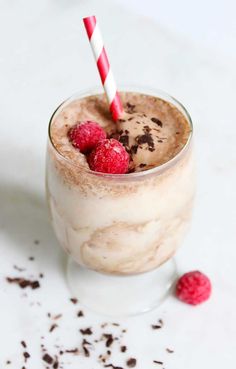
(112, 366)
(169, 351)
(31, 258)
(23, 344)
(23, 283)
(72, 351)
(124, 140)
(85, 349)
(18, 268)
(86, 331)
(116, 324)
(47, 358)
(131, 362)
(158, 326)
(26, 355)
(158, 362)
(130, 108)
(108, 352)
(80, 313)
(157, 121)
(109, 339)
(53, 326)
(56, 364)
(123, 349)
(74, 300)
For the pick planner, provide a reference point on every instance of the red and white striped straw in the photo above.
(109, 84)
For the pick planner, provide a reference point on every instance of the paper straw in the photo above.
(103, 65)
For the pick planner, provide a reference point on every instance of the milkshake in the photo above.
(122, 224)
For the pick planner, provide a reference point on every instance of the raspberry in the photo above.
(86, 135)
(109, 156)
(193, 288)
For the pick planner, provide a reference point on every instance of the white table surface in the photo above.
(45, 57)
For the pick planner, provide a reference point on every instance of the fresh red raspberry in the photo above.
(193, 288)
(86, 135)
(109, 156)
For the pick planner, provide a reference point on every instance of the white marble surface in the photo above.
(44, 57)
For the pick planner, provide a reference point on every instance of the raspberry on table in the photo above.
(193, 288)
(86, 135)
(109, 156)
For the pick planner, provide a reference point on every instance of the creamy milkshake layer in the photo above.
(130, 223)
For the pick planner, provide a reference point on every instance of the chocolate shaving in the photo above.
(158, 362)
(53, 326)
(142, 165)
(157, 121)
(131, 362)
(84, 344)
(55, 364)
(26, 355)
(123, 348)
(146, 138)
(47, 358)
(124, 140)
(58, 316)
(109, 339)
(116, 324)
(112, 366)
(86, 331)
(23, 344)
(169, 351)
(130, 108)
(130, 118)
(134, 149)
(72, 351)
(23, 283)
(121, 120)
(74, 300)
(80, 313)
(156, 326)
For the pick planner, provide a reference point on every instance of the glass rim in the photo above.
(94, 90)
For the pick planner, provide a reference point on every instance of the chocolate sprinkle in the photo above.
(146, 138)
(86, 331)
(26, 355)
(53, 326)
(131, 362)
(72, 351)
(48, 359)
(158, 362)
(134, 149)
(169, 351)
(157, 121)
(112, 366)
(156, 326)
(109, 339)
(130, 108)
(123, 348)
(74, 300)
(23, 283)
(124, 140)
(86, 351)
(80, 313)
(142, 165)
(23, 344)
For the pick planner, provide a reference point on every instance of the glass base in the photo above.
(121, 295)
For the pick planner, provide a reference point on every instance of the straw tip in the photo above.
(89, 18)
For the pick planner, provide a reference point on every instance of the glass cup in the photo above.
(121, 231)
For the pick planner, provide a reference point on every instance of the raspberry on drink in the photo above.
(109, 156)
(86, 135)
